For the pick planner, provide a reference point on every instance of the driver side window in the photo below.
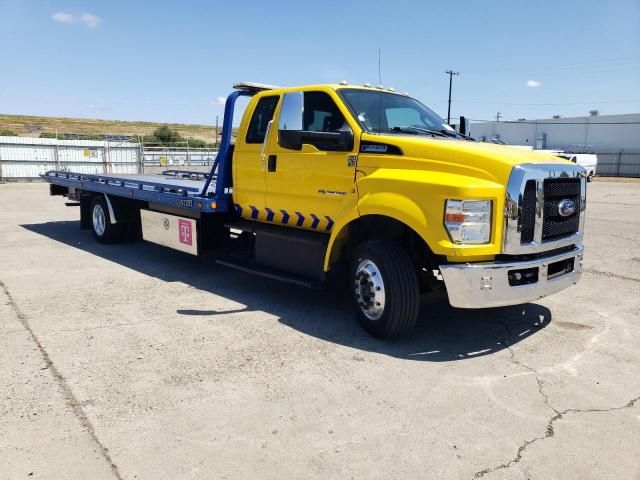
(321, 114)
(313, 118)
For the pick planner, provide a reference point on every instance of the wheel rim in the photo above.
(99, 220)
(369, 289)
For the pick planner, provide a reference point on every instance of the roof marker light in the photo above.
(380, 87)
(344, 82)
(368, 85)
(391, 89)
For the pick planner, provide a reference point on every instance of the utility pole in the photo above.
(216, 142)
(451, 73)
(498, 116)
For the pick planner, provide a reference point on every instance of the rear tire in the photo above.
(385, 288)
(590, 178)
(103, 230)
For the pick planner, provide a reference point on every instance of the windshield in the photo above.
(388, 112)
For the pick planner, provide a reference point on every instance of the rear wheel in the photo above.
(103, 230)
(385, 289)
(590, 177)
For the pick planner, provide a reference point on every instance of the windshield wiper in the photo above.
(416, 130)
(454, 134)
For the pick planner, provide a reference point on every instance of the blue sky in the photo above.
(173, 61)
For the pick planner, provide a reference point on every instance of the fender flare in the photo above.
(392, 205)
(112, 216)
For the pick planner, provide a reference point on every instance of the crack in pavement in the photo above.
(549, 432)
(72, 401)
(609, 274)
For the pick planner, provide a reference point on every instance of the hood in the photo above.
(477, 159)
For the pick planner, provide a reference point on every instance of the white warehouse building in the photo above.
(592, 133)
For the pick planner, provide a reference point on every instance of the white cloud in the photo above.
(533, 83)
(63, 17)
(221, 100)
(89, 20)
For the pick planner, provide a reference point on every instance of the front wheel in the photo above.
(385, 288)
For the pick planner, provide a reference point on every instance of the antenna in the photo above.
(380, 90)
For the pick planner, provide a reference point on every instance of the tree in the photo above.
(165, 135)
(8, 133)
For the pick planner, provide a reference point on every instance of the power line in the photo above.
(547, 104)
(545, 122)
(578, 65)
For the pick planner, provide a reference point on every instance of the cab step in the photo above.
(251, 266)
(291, 251)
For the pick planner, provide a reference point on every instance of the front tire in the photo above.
(385, 288)
(103, 230)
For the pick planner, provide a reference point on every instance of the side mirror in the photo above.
(291, 112)
(463, 126)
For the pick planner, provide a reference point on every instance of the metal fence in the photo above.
(622, 163)
(611, 162)
(163, 156)
(25, 158)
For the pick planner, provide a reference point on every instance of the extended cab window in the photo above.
(260, 119)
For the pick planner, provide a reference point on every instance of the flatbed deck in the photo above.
(193, 191)
(168, 188)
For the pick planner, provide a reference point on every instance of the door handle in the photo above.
(271, 163)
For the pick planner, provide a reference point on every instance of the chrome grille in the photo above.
(528, 212)
(532, 220)
(556, 190)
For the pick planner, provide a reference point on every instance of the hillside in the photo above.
(33, 126)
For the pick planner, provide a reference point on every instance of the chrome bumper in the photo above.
(483, 285)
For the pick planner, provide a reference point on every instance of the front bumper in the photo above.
(494, 284)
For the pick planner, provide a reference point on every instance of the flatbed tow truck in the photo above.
(360, 180)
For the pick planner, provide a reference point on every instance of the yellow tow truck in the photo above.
(364, 181)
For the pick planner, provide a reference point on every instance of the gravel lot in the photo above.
(136, 362)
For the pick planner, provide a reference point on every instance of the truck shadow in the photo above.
(442, 334)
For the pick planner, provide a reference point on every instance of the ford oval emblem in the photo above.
(566, 208)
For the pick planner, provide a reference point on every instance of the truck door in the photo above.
(249, 187)
(310, 162)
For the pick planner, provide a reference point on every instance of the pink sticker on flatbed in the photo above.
(184, 232)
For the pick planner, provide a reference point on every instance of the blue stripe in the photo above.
(269, 214)
(285, 217)
(239, 210)
(316, 220)
(329, 224)
(254, 212)
(300, 219)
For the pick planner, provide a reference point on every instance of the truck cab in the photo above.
(404, 204)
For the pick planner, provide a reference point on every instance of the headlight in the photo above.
(468, 221)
